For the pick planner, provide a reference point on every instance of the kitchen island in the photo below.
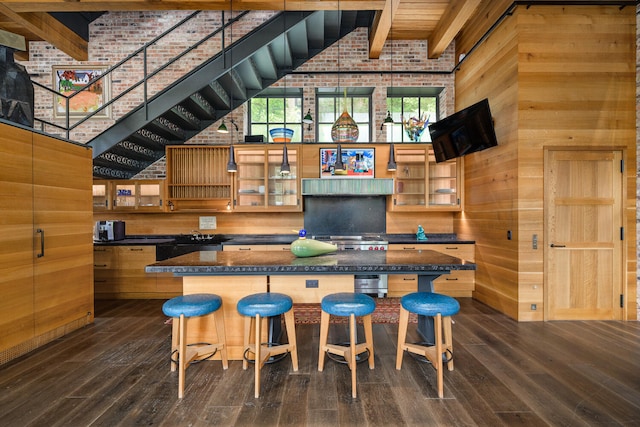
(233, 275)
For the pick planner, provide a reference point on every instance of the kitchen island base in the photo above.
(232, 288)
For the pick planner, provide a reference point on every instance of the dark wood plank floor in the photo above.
(116, 373)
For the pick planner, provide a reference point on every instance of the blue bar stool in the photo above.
(439, 306)
(180, 309)
(255, 307)
(347, 304)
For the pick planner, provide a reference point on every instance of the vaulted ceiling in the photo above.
(437, 21)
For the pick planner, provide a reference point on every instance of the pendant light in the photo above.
(391, 164)
(231, 165)
(285, 168)
(388, 121)
(308, 120)
(338, 165)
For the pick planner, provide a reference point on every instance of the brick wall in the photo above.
(117, 34)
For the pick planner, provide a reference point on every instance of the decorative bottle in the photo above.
(303, 247)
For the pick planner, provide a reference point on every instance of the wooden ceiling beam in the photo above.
(51, 30)
(381, 28)
(455, 16)
(137, 5)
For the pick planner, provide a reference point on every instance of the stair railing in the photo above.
(66, 129)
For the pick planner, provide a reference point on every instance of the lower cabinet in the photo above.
(459, 283)
(119, 274)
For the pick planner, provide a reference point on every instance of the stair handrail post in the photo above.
(144, 78)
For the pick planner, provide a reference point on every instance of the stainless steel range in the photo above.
(376, 284)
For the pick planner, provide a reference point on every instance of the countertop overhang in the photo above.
(211, 263)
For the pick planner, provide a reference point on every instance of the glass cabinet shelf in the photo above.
(423, 184)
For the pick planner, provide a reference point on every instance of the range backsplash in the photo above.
(345, 215)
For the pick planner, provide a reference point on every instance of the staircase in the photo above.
(224, 82)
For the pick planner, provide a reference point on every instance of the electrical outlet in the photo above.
(534, 242)
(534, 306)
(311, 283)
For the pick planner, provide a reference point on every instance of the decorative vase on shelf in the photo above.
(414, 127)
(345, 129)
(303, 247)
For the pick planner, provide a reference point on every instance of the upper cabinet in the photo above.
(423, 184)
(128, 195)
(197, 178)
(260, 184)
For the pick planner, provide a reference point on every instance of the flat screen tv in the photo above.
(467, 131)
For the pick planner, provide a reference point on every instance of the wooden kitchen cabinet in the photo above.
(422, 184)
(459, 283)
(46, 264)
(119, 274)
(102, 198)
(128, 195)
(197, 178)
(259, 183)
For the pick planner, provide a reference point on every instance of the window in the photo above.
(268, 111)
(405, 103)
(330, 105)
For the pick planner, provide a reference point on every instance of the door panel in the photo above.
(583, 216)
(62, 195)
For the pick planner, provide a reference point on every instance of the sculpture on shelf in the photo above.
(16, 90)
(420, 234)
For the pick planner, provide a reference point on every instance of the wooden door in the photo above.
(584, 266)
(16, 238)
(63, 273)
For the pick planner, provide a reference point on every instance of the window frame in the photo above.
(397, 131)
(338, 95)
(278, 94)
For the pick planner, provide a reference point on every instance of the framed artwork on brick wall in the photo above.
(67, 80)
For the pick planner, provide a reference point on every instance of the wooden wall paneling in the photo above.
(569, 89)
(16, 237)
(491, 176)
(63, 209)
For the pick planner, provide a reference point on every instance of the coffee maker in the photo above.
(106, 231)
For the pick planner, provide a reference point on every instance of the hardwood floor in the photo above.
(116, 373)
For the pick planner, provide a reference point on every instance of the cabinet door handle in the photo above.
(244, 249)
(136, 249)
(99, 265)
(410, 279)
(41, 231)
(451, 279)
(409, 248)
(454, 248)
(553, 245)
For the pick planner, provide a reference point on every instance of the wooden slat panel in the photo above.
(16, 237)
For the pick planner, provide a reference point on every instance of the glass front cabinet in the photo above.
(423, 184)
(261, 185)
(128, 195)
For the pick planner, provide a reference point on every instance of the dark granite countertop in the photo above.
(284, 263)
(276, 239)
(136, 241)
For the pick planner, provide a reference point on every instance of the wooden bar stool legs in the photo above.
(181, 309)
(351, 305)
(256, 307)
(441, 308)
